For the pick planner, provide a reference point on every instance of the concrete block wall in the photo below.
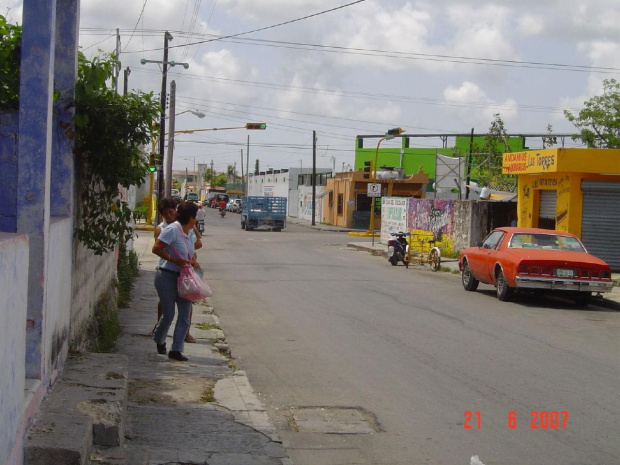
(14, 252)
(92, 275)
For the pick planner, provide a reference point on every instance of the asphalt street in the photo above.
(361, 362)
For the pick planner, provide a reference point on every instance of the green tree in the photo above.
(599, 120)
(110, 131)
(256, 168)
(10, 60)
(491, 156)
(219, 180)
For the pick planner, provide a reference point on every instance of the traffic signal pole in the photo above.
(371, 227)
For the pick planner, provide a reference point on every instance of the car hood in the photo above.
(559, 257)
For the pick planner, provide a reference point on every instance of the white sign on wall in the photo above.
(374, 190)
(393, 216)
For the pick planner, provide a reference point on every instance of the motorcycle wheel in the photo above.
(434, 259)
(393, 260)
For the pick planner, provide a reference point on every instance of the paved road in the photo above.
(360, 362)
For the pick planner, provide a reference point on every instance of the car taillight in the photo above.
(605, 275)
(534, 270)
(545, 270)
(523, 269)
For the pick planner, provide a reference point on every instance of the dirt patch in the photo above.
(167, 391)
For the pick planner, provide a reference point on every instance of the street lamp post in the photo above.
(165, 63)
(391, 134)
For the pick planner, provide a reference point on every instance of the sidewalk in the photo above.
(189, 412)
(135, 407)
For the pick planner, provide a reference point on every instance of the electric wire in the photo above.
(136, 26)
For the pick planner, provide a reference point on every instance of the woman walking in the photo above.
(176, 249)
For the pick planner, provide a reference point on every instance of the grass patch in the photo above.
(126, 271)
(107, 326)
(207, 396)
(206, 326)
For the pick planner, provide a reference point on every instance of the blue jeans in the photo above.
(166, 285)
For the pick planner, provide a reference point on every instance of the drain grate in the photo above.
(334, 420)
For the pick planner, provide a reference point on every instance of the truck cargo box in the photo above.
(269, 212)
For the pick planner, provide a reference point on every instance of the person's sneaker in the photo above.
(161, 349)
(176, 355)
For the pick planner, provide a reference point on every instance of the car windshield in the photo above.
(545, 241)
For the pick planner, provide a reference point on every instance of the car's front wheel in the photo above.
(504, 291)
(469, 282)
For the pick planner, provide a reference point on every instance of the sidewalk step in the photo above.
(124, 455)
(86, 407)
(59, 439)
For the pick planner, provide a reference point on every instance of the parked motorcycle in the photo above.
(398, 248)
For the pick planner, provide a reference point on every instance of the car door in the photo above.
(490, 257)
(480, 259)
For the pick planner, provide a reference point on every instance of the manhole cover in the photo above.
(334, 420)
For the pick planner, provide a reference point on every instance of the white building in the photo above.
(294, 183)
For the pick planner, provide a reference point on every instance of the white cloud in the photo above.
(530, 24)
(474, 107)
(480, 32)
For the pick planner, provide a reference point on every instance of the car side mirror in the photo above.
(479, 244)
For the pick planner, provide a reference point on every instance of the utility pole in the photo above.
(471, 143)
(126, 74)
(168, 177)
(242, 178)
(162, 122)
(247, 154)
(117, 66)
(313, 177)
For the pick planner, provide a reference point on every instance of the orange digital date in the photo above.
(539, 419)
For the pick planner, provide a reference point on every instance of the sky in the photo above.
(345, 68)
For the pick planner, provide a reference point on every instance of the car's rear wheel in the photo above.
(469, 282)
(504, 291)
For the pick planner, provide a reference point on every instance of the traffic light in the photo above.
(256, 125)
(152, 163)
(367, 169)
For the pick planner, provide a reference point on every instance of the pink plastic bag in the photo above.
(191, 286)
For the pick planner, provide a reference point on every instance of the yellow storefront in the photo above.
(571, 190)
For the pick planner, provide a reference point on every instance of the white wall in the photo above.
(304, 203)
(14, 253)
(58, 295)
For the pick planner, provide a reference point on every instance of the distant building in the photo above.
(294, 183)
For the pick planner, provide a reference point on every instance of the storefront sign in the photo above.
(529, 162)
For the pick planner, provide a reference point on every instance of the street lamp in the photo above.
(391, 134)
(197, 113)
(165, 63)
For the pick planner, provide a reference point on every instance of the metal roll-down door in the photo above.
(600, 222)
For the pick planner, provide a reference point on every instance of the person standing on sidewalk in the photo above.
(168, 210)
(176, 249)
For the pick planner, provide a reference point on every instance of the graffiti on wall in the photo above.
(436, 216)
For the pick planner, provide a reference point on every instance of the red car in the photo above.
(515, 259)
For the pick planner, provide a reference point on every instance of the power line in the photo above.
(137, 22)
(404, 55)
